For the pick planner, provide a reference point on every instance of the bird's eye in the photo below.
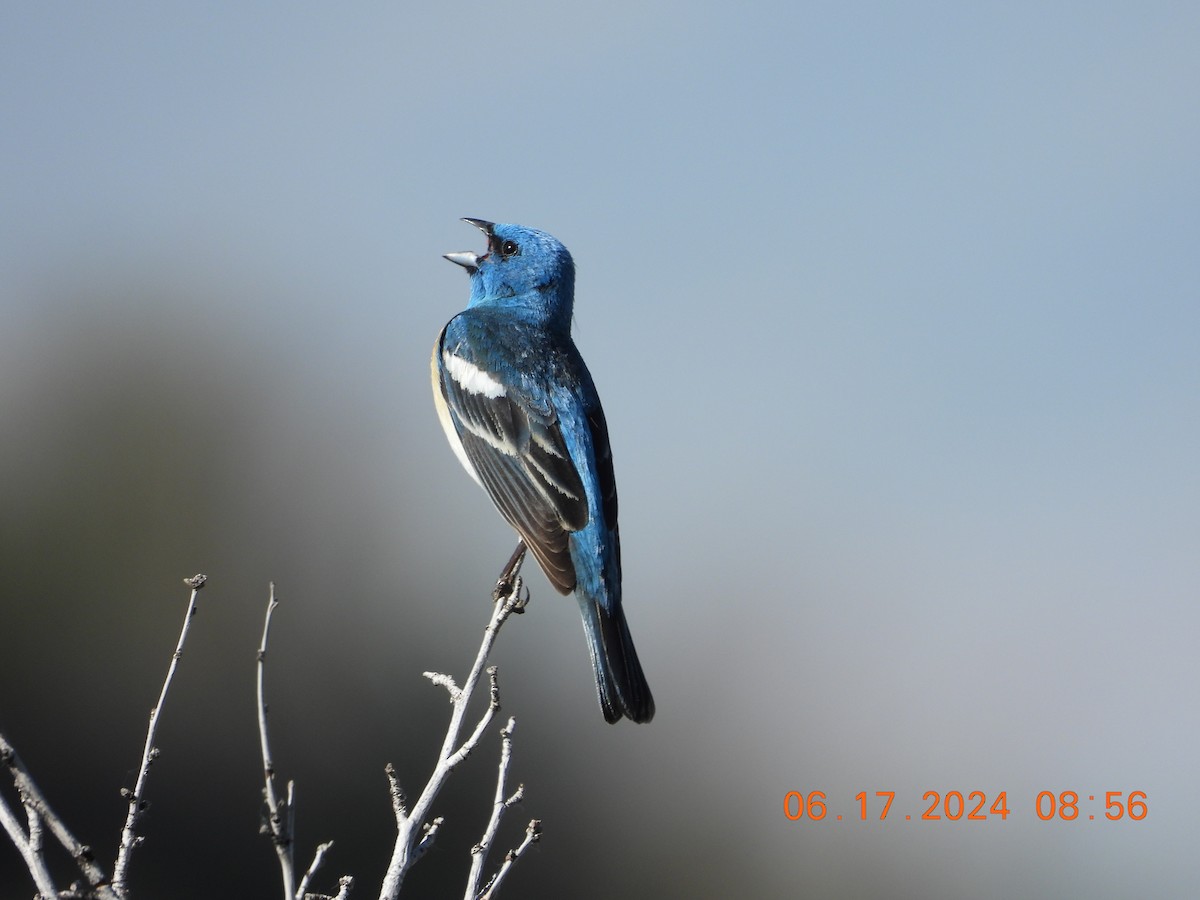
(509, 248)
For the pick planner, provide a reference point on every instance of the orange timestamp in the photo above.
(971, 806)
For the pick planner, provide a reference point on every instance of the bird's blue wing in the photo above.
(515, 446)
(602, 451)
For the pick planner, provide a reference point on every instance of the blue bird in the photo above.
(520, 410)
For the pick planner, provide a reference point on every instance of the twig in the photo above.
(533, 834)
(411, 841)
(280, 814)
(318, 858)
(35, 804)
(129, 838)
(479, 852)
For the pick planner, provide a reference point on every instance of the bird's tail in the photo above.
(620, 683)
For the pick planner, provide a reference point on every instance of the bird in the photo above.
(522, 414)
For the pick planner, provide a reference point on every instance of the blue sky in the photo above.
(894, 311)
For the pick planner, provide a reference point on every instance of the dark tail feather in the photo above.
(620, 683)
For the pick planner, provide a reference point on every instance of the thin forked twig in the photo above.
(479, 852)
(533, 834)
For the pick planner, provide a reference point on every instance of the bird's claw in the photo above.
(512, 590)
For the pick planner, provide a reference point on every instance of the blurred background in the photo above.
(896, 317)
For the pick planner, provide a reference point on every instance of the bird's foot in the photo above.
(514, 592)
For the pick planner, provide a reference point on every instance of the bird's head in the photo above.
(522, 267)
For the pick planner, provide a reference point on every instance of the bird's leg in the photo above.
(509, 582)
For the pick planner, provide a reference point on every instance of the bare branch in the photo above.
(137, 802)
(411, 840)
(280, 814)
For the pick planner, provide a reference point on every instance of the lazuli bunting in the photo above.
(520, 410)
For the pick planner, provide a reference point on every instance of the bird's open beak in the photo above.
(485, 227)
(465, 258)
